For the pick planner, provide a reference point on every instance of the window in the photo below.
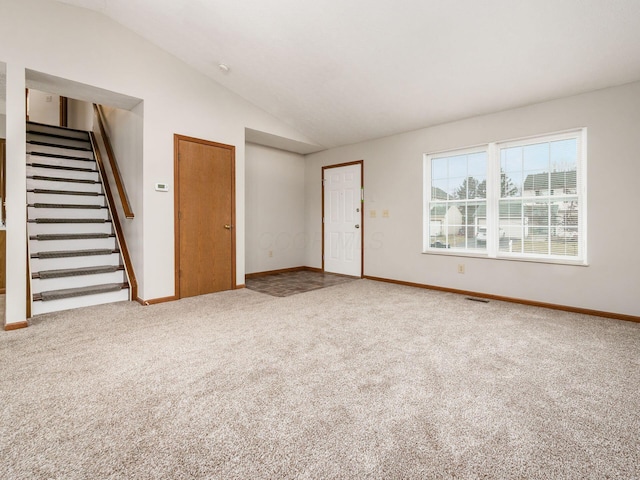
(458, 193)
(520, 199)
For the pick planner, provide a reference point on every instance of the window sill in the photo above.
(509, 258)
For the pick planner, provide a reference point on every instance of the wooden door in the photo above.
(205, 216)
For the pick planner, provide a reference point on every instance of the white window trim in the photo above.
(493, 198)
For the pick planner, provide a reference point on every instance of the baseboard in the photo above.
(16, 326)
(282, 270)
(553, 306)
(240, 287)
(155, 301)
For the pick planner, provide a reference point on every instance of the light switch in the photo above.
(372, 213)
(385, 213)
(162, 187)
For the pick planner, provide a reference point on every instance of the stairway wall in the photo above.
(126, 130)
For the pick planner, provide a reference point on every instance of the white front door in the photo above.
(343, 219)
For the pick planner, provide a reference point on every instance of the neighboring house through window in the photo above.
(522, 199)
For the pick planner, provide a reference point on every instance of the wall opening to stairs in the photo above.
(75, 259)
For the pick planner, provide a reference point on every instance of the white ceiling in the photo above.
(351, 70)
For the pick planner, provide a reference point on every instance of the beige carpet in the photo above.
(362, 380)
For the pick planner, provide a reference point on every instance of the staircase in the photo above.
(73, 251)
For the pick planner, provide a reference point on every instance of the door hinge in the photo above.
(362, 194)
(323, 182)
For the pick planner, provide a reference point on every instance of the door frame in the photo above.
(176, 206)
(338, 165)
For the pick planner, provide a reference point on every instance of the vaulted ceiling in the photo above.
(347, 71)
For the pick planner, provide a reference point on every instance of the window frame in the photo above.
(493, 152)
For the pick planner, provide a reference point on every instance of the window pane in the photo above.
(452, 211)
(511, 159)
(457, 188)
(458, 166)
(536, 157)
(439, 189)
(537, 242)
(563, 155)
(477, 164)
(536, 183)
(509, 187)
(439, 168)
(565, 232)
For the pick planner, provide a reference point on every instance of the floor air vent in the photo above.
(481, 300)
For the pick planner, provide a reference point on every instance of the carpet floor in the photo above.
(363, 380)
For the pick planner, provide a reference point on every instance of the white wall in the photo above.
(393, 181)
(44, 107)
(125, 130)
(177, 99)
(274, 200)
(79, 114)
(3, 125)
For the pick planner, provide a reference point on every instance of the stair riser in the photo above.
(59, 151)
(58, 141)
(67, 213)
(43, 285)
(61, 173)
(61, 162)
(65, 199)
(39, 308)
(56, 185)
(36, 246)
(57, 131)
(38, 264)
(48, 228)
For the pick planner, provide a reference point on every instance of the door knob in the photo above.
(357, 226)
(228, 227)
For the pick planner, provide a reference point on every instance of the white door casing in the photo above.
(342, 212)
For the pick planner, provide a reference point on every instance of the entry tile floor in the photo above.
(290, 283)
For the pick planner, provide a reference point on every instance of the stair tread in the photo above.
(70, 220)
(70, 236)
(72, 272)
(56, 127)
(64, 192)
(79, 291)
(65, 157)
(54, 145)
(74, 253)
(61, 167)
(55, 135)
(66, 205)
(62, 179)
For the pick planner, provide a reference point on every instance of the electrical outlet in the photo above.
(461, 268)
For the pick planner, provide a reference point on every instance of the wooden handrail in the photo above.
(124, 199)
(3, 181)
(124, 251)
